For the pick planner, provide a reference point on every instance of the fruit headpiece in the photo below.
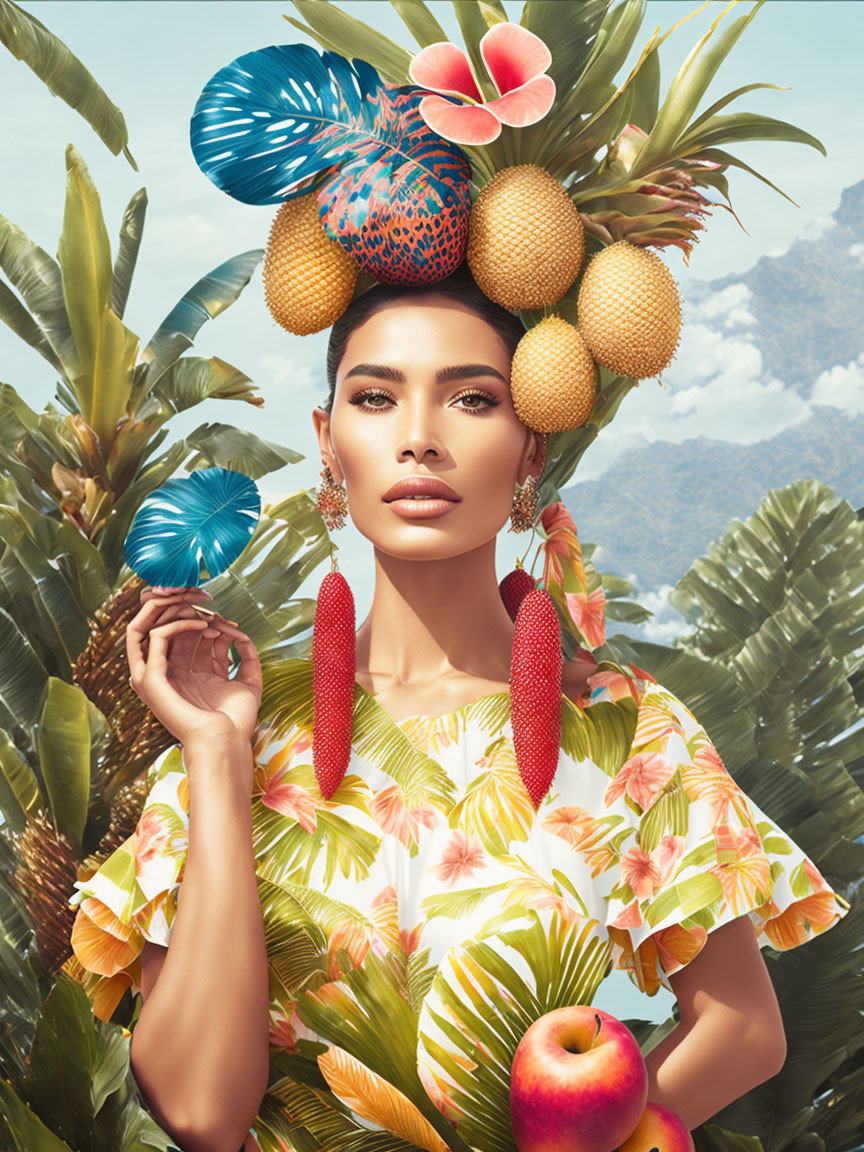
(517, 154)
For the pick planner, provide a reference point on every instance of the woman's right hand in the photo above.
(179, 667)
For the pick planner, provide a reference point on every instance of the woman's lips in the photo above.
(421, 509)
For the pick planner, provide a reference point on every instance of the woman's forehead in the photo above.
(424, 333)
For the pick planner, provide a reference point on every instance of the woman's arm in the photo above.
(730, 1038)
(200, 1049)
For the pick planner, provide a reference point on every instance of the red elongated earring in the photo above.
(334, 655)
(515, 587)
(535, 692)
(333, 678)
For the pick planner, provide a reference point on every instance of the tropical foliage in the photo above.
(74, 739)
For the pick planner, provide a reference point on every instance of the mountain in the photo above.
(809, 302)
(658, 507)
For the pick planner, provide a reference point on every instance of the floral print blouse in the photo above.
(430, 856)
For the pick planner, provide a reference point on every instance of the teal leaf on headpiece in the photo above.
(189, 525)
(286, 119)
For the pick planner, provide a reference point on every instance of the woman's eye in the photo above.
(490, 401)
(361, 398)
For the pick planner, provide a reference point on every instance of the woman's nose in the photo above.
(417, 446)
(420, 429)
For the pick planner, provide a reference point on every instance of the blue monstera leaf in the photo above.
(287, 119)
(192, 529)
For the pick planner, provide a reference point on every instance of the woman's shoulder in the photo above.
(587, 679)
(576, 679)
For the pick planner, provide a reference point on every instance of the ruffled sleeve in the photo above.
(701, 853)
(132, 896)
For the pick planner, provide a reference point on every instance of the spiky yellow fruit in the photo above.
(309, 279)
(629, 310)
(526, 241)
(553, 380)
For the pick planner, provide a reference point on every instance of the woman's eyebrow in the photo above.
(455, 372)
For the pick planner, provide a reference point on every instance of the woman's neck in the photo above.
(433, 619)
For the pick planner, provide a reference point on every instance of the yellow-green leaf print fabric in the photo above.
(431, 847)
(702, 853)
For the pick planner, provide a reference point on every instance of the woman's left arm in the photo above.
(731, 1035)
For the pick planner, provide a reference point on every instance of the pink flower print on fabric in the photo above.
(742, 867)
(388, 808)
(462, 856)
(276, 793)
(585, 834)
(151, 838)
(645, 872)
(643, 777)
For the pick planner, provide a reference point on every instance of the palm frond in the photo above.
(487, 992)
(287, 699)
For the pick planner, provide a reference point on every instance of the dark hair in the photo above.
(459, 286)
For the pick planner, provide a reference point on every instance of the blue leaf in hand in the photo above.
(193, 528)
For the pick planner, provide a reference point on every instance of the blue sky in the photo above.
(153, 59)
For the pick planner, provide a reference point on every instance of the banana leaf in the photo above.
(33, 273)
(106, 347)
(30, 41)
(131, 231)
(205, 300)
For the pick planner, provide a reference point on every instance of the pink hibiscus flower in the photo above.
(462, 855)
(516, 61)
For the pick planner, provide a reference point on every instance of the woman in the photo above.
(419, 389)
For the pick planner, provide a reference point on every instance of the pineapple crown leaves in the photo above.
(654, 201)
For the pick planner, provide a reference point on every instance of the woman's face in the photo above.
(423, 389)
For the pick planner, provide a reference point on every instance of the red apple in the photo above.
(659, 1128)
(578, 1082)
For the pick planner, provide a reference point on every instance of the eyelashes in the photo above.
(359, 397)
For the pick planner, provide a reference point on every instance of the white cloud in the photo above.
(730, 306)
(283, 372)
(842, 387)
(817, 226)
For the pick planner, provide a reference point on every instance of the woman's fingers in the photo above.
(158, 590)
(221, 647)
(203, 649)
(249, 672)
(157, 657)
(201, 659)
(139, 627)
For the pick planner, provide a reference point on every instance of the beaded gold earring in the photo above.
(524, 505)
(332, 500)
